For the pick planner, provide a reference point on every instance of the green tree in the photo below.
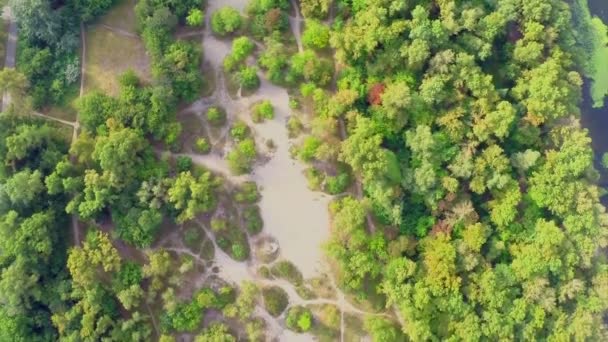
(195, 17)
(225, 21)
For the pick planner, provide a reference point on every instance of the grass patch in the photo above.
(66, 110)
(192, 129)
(287, 270)
(327, 323)
(109, 55)
(121, 16)
(353, 328)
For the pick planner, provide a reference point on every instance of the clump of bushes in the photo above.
(261, 111)
(202, 146)
(247, 193)
(287, 270)
(225, 21)
(299, 319)
(253, 219)
(275, 300)
(216, 116)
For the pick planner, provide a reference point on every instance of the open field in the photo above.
(122, 16)
(109, 54)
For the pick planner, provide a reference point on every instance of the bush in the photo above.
(248, 78)
(239, 252)
(216, 116)
(239, 131)
(315, 178)
(288, 271)
(242, 47)
(262, 111)
(315, 8)
(218, 225)
(299, 319)
(195, 17)
(275, 300)
(225, 21)
(202, 146)
(242, 157)
(316, 35)
(253, 219)
(247, 193)
(274, 59)
(294, 126)
(337, 184)
(184, 163)
(309, 148)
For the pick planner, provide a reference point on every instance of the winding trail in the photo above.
(296, 25)
(237, 272)
(11, 49)
(120, 31)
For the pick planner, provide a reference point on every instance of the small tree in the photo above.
(299, 319)
(248, 78)
(316, 35)
(216, 116)
(225, 21)
(262, 111)
(195, 17)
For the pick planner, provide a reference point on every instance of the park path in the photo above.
(11, 48)
(296, 25)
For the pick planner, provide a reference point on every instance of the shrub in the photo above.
(241, 158)
(288, 271)
(195, 17)
(316, 35)
(299, 319)
(337, 184)
(242, 47)
(216, 116)
(294, 126)
(309, 148)
(315, 178)
(184, 163)
(202, 146)
(253, 219)
(239, 252)
(239, 131)
(262, 111)
(218, 225)
(247, 193)
(275, 300)
(225, 21)
(248, 78)
(315, 8)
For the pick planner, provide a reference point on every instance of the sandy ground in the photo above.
(295, 216)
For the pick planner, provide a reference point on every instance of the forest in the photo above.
(464, 201)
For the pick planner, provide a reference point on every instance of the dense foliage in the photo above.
(49, 38)
(479, 217)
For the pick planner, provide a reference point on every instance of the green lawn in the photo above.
(121, 16)
(109, 55)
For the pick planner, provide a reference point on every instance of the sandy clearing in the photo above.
(294, 215)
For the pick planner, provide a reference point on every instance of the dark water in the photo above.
(596, 119)
(599, 8)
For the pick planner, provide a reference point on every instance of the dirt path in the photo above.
(11, 49)
(237, 272)
(296, 25)
(120, 31)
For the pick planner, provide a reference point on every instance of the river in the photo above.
(596, 119)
